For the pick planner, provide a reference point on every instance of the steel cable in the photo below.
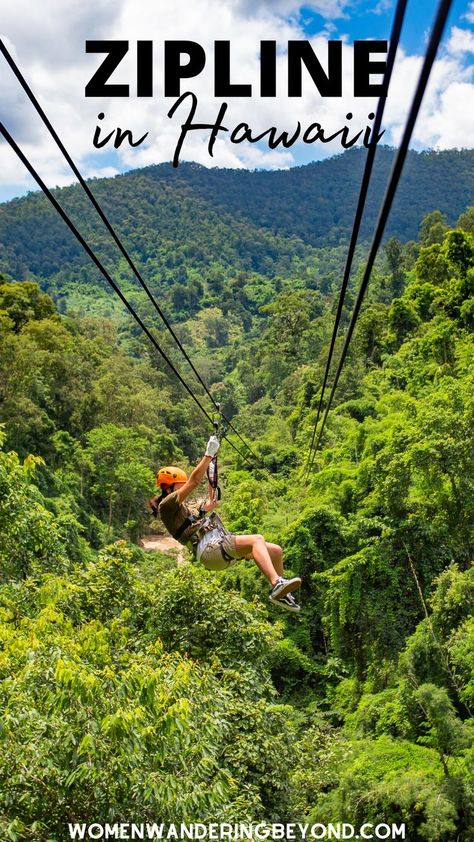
(16, 70)
(394, 40)
(430, 55)
(49, 195)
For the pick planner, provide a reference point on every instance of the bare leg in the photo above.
(276, 555)
(268, 557)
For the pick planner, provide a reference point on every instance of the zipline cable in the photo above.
(17, 72)
(6, 134)
(430, 55)
(392, 52)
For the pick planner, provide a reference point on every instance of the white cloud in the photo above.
(469, 16)
(436, 127)
(50, 29)
(460, 41)
(382, 7)
(49, 47)
(326, 8)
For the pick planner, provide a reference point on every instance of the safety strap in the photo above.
(212, 468)
(201, 518)
(185, 525)
(213, 475)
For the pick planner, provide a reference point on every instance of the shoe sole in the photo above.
(288, 588)
(286, 607)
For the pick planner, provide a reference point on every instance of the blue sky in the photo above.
(47, 40)
(374, 18)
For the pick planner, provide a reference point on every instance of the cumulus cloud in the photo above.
(48, 32)
(49, 47)
(469, 16)
(381, 7)
(460, 41)
(326, 8)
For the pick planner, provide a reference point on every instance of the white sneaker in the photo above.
(283, 586)
(288, 602)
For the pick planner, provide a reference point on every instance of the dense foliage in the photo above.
(132, 687)
(206, 237)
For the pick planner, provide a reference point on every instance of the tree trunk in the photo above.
(110, 515)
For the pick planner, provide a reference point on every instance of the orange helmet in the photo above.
(170, 475)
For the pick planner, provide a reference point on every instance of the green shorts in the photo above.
(216, 550)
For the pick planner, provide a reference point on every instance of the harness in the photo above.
(209, 524)
(206, 525)
(185, 525)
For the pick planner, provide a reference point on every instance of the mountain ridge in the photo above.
(192, 225)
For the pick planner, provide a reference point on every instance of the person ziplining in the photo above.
(211, 542)
(202, 531)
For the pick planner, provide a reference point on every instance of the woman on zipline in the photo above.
(206, 536)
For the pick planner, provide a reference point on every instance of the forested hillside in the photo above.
(316, 201)
(195, 229)
(133, 688)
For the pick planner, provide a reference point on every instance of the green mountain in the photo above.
(197, 218)
(317, 202)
